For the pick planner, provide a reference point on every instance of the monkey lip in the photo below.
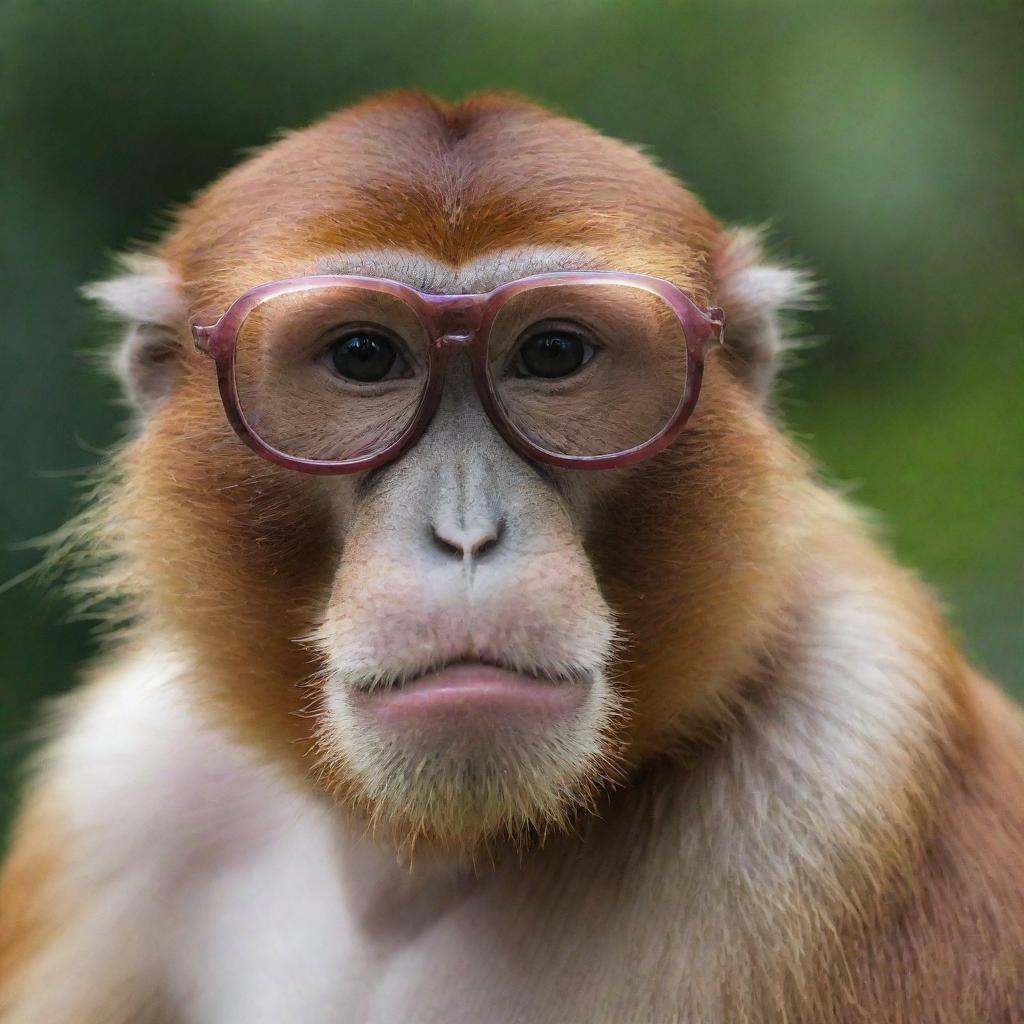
(471, 689)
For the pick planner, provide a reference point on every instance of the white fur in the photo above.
(755, 293)
(145, 292)
(147, 299)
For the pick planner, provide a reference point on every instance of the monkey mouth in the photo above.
(470, 689)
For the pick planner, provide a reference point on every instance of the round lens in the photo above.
(588, 368)
(331, 374)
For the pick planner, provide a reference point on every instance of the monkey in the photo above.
(482, 648)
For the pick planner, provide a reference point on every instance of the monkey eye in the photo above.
(551, 352)
(366, 355)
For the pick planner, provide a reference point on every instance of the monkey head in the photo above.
(463, 644)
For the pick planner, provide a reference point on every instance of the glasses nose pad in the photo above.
(455, 339)
(453, 362)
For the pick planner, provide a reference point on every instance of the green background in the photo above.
(884, 143)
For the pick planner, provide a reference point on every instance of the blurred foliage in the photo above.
(883, 140)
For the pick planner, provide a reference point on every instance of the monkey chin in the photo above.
(469, 756)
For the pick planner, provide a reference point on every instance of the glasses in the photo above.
(338, 374)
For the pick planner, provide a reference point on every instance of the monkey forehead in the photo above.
(480, 274)
(449, 182)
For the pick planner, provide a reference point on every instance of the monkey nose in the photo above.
(467, 541)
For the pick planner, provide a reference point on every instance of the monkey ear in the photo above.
(755, 294)
(146, 297)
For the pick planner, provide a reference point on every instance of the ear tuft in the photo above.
(147, 298)
(755, 294)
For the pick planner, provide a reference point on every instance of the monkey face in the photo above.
(464, 643)
(481, 670)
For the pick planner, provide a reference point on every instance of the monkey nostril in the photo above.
(465, 543)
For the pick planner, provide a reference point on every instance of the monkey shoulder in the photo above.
(167, 843)
(954, 951)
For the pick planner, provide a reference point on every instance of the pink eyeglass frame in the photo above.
(460, 322)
